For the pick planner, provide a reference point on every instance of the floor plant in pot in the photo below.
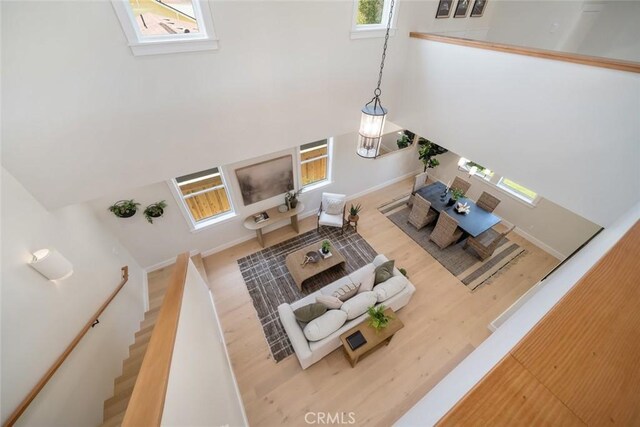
(155, 210)
(354, 210)
(124, 208)
(377, 317)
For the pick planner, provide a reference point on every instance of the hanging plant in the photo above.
(155, 210)
(124, 208)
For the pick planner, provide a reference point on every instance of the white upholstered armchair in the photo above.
(332, 210)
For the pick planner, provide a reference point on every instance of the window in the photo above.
(166, 26)
(315, 162)
(475, 169)
(518, 190)
(370, 18)
(205, 197)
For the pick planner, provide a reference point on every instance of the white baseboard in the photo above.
(505, 315)
(539, 244)
(167, 263)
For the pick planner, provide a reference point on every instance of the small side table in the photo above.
(352, 221)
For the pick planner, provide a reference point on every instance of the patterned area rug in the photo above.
(270, 284)
(462, 263)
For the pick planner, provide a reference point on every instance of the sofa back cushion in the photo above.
(323, 326)
(365, 276)
(307, 313)
(358, 305)
(390, 287)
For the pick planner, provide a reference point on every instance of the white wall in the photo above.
(155, 243)
(569, 131)
(202, 390)
(554, 228)
(435, 404)
(40, 318)
(101, 121)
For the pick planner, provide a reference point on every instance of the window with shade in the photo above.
(315, 162)
(518, 190)
(205, 195)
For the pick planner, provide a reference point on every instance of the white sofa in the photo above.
(308, 352)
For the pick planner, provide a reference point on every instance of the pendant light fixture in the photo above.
(373, 113)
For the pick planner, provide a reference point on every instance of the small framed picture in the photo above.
(478, 8)
(461, 9)
(444, 8)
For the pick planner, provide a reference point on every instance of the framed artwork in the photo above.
(266, 179)
(461, 9)
(478, 8)
(444, 8)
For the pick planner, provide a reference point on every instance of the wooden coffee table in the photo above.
(375, 339)
(299, 273)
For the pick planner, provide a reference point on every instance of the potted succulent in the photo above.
(456, 194)
(377, 317)
(354, 210)
(124, 208)
(291, 198)
(155, 210)
(326, 247)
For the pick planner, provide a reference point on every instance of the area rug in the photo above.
(270, 284)
(463, 264)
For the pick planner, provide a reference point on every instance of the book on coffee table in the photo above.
(356, 340)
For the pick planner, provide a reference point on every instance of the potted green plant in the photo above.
(427, 151)
(456, 194)
(403, 142)
(124, 208)
(404, 272)
(291, 198)
(326, 247)
(354, 210)
(155, 210)
(377, 317)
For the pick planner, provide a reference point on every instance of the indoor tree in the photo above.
(427, 151)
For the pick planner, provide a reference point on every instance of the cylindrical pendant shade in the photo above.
(371, 127)
(51, 264)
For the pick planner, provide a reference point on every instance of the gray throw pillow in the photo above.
(384, 272)
(309, 312)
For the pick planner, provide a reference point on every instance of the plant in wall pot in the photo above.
(377, 317)
(155, 210)
(326, 247)
(354, 210)
(124, 208)
(403, 142)
(427, 151)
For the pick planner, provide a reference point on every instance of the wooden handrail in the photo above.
(595, 61)
(147, 400)
(52, 370)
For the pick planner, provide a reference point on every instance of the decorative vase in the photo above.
(354, 218)
(293, 202)
(451, 202)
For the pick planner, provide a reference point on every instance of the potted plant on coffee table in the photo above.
(377, 317)
(124, 208)
(155, 210)
(325, 248)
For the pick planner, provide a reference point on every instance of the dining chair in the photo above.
(446, 231)
(487, 202)
(332, 210)
(461, 184)
(486, 243)
(421, 213)
(419, 181)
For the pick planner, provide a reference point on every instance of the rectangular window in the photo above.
(205, 195)
(518, 190)
(166, 26)
(475, 169)
(370, 12)
(370, 18)
(314, 162)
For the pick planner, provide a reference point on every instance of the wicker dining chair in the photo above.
(461, 184)
(419, 181)
(421, 213)
(485, 244)
(446, 231)
(487, 202)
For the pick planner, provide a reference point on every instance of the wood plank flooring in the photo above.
(444, 322)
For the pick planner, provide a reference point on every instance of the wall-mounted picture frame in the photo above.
(478, 8)
(444, 8)
(461, 9)
(264, 180)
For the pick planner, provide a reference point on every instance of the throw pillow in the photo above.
(391, 287)
(334, 206)
(384, 272)
(329, 301)
(325, 325)
(346, 291)
(359, 304)
(309, 312)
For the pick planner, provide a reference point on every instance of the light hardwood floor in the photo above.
(444, 322)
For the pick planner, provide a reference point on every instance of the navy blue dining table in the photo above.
(474, 223)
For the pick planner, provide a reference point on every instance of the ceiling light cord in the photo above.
(377, 92)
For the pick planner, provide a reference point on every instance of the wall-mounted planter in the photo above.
(155, 210)
(124, 208)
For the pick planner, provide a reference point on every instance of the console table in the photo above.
(274, 216)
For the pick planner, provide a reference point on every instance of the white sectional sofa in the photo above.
(309, 352)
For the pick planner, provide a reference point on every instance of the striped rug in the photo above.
(462, 263)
